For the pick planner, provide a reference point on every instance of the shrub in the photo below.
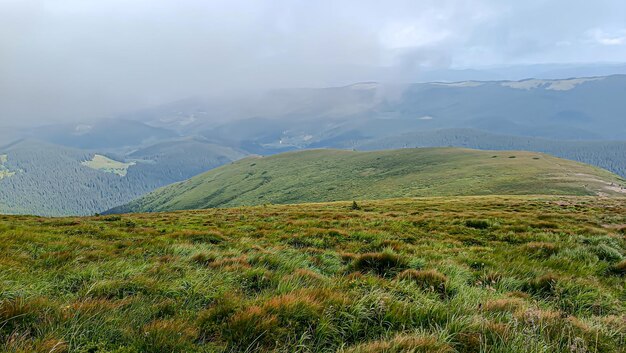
(383, 264)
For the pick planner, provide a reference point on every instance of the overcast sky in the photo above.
(70, 59)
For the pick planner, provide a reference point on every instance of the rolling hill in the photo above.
(332, 175)
(609, 155)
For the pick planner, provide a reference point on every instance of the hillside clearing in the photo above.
(108, 165)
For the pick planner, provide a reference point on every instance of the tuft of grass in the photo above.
(382, 264)
(541, 249)
(543, 286)
(606, 252)
(431, 280)
(477, 224)
(619, 268)
(403, 344)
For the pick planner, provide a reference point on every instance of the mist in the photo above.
(70, 60)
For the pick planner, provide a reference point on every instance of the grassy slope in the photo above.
(332, 175)
(466, 274)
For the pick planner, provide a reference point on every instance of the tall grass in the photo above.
(394, 276)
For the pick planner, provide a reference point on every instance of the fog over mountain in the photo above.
(102, 102)
(71, 60)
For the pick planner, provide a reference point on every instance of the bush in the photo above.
(383, 264)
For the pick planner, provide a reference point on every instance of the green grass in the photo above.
(108, 165)
(335, 175)
(451, 274)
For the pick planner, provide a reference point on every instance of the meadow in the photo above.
(442, 274)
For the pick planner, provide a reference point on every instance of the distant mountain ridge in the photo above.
(579, 118)
(54, 180)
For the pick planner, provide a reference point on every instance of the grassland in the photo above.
(336, 175)
(456, 274)
(108, 165)
(4, 171)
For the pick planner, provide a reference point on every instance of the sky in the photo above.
(77, 59)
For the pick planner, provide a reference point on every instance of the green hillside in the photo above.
(493, 274)
(331, 175)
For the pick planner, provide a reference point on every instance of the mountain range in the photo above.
(89, 167)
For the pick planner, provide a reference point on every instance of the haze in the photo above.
(79, 60)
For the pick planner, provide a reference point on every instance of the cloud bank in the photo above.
(76, 59)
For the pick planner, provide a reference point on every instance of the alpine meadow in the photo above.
(288, 176)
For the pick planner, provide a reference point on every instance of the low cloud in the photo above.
(77, 60)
